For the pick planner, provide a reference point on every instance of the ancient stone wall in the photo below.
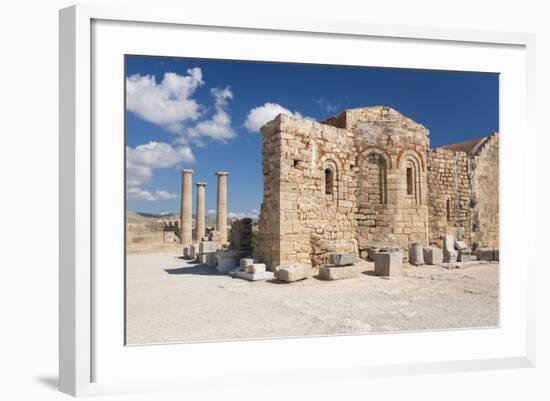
(309, 196)
(367, 178)
(448, 195)
(485, 190)
(391, 180)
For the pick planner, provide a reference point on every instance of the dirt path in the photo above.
(171, 300)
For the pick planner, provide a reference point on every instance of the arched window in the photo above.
(409, 181)
(412, 176)
(372, 180)
(329, 181)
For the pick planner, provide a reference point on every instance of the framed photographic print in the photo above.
(290, 200)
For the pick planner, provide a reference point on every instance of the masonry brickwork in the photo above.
(365, 178)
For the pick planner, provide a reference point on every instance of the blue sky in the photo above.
(205, 114)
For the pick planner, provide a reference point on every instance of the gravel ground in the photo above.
(171, 300)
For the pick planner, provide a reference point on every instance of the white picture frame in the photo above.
(83, 349)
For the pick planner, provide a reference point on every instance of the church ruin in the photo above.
(368, 178)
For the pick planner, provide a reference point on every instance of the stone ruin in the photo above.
(367, 179)
(363, 184)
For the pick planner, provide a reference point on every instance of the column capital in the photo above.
(200, 184)
(186, 171)
(218, 173)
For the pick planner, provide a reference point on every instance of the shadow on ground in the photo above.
(49, 381)
(199, 270)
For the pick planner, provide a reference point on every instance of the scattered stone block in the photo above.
(388, 263)
(292, 272)
(496, 256)
(227, 260)
(342, 259)
(255, 268)
(371, 252)
(448, 243)
(416, 254)
(193, 251)
(461, 246)
(432, 255)
(254, 276)
(244, 263)
(208, 246)
(187, 252)
(485, 254)
(338, 272)
(450, 256)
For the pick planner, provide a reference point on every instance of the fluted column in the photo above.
(186, 216)
(200, 228)
(221, 206)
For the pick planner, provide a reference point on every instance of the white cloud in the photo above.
(219, 126)
(142, 160)
(211, 211)
(326, 106)
(168, 103)
(259, 116)
(140, 194)
(253, 214)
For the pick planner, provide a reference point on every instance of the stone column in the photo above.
(186, 216)
(200, 227)
(221, 206)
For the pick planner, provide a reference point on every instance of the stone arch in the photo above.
(402, 156)
(412, 168)
(376, 149)
(331, 175)
(372, 179)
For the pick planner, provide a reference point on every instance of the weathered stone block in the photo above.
(485, 254)
(254, 276)
(461, 246)
(187, 252)
(338, 272)
(193, 251)
(371, 252)
(448, 243)
(388, 263)
(450, 256)
(432, 255)
(416, 254)
(496, 256)
(342, 259)
(227, 260)
(244, 263)
(255, 268)
(292, 272)
(208, 246)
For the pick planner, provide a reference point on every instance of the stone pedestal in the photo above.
(292, 272)
(186, 216)
(416, 254)
(221, 206)
(200, 229)
(337, 272)
(450, 256)
(342, 259)
(388, 263)
(433, 256)
(485, 254)
(448, 243)
(254, 276)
